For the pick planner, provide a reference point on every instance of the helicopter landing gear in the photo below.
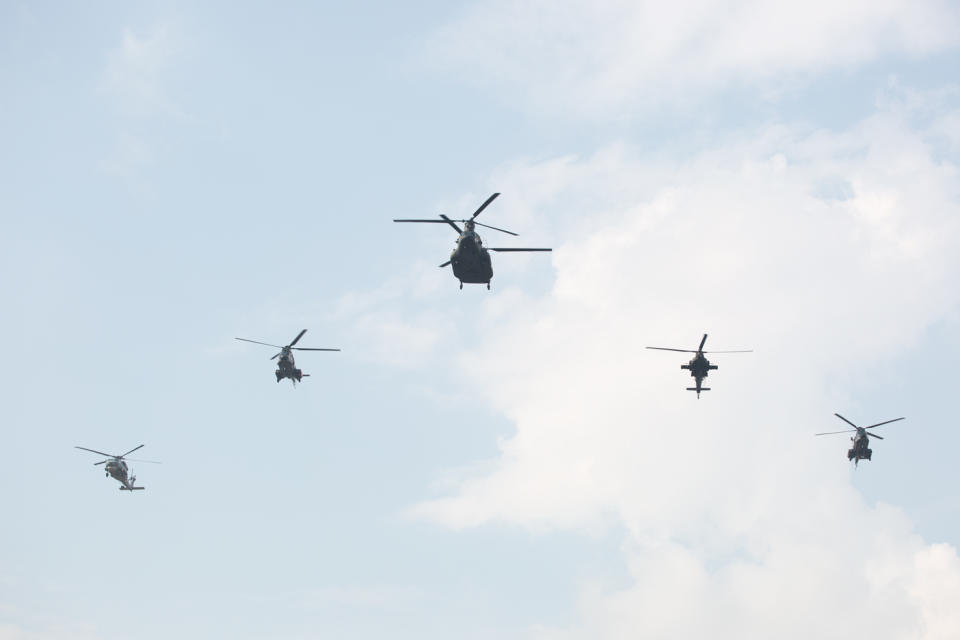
(488, 286)
(461, 285)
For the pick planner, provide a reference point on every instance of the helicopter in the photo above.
(861, 442)
(286, 367)
(117, 467)
(699, 366)
(470, 259)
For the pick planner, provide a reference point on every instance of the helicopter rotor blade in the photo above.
(297, 339)
(881, 423)
(131, 451)
(109, 455)
(830, 433)
(312, 349)
(275, 356)
(873, 435)
(149, 461)
(847, 421)
(484, 205)
(445, 264)
(702, 342)
(738, 351)
(263, 343)
(516, 249)
(101, 462)
(452, 224)
(496, 228)
(669, 349)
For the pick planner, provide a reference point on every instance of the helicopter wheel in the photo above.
(488, 286)
(461, 285)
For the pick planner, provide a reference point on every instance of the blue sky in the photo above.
(479, 464)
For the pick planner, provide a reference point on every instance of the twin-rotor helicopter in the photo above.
(470, 259)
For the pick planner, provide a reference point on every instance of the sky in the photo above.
(509, 463)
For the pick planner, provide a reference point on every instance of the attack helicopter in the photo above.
(470, 259)
(699, 366)
(286, 367)
(116, 466)
(861, 442)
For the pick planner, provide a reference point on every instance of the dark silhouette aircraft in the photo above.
(116, 466)
(699, 366)
(470, 259)
(286, 366)
(861, 442)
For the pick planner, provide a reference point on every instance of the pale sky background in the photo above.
(505, 464)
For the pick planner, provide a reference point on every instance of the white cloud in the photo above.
(384, 335)
(136, 72)
(827, 253)
(135, 79)
(609, 56)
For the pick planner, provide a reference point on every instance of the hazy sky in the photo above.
(504, 464)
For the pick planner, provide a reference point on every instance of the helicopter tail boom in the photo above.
(132, 488)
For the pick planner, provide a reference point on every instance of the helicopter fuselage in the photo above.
(470, 260)
(861, 447)
(287, 368)
(119, 471)
(699, 368)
